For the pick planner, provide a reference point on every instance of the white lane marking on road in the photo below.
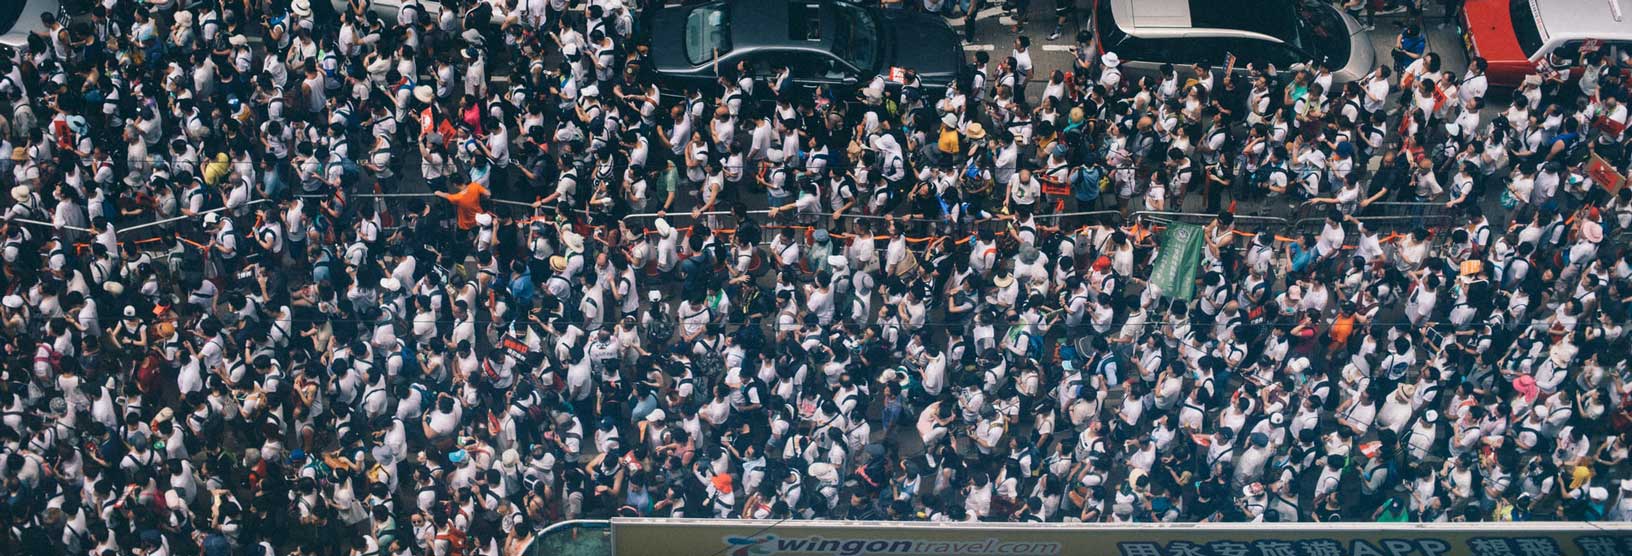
(1058, 47)
(975, 47)
(986, 13)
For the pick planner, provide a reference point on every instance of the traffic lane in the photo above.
(994, 34)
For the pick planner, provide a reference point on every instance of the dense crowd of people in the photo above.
(851, 304)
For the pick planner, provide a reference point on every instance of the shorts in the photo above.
(1063, 8)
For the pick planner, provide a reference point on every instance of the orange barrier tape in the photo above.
(199, 246)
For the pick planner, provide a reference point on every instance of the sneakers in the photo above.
(1055, 35)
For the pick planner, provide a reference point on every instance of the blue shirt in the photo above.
(1301, 257)
(521, 287)
(1414, 45)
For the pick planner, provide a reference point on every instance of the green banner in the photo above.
(1177, 260)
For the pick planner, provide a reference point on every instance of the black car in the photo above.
(837, 44)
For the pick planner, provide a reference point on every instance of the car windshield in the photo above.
(706, 31)
(1307, 25)
(1322, 33)
(856, 37)
(1524, 27)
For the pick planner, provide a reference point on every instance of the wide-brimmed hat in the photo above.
(302, 8)
(20, 193)
(663, 227)
(975, 131)
(19, 154)
(558, 263)
(424, 93)
(573, 241)
(906, 266)
(1592, 232)
(1110, 60)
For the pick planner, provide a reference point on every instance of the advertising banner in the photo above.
(838, 538)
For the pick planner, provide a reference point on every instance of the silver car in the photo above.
(19, 18)
(1145, 34)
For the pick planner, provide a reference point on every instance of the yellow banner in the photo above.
(837, 538)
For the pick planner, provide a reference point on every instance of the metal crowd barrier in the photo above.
(131, 231)
(1428, 210)
(33, 222)
(1394, 216)
(1267, 223)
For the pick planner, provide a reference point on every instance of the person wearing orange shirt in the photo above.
(467, 203)
(1342, 327)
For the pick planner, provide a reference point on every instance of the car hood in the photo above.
(924, 44)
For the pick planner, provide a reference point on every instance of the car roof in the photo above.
(1172, 19)
(774, 23)
(1151, 14)
(1584, 19)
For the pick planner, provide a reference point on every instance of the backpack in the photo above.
(488, 522)
(147, 376)
(51, 357)
(1087, 182)
(1109, 358)
(660, 329)
(455, 539)
(1262, 175)
(710, 363)
(1577, 151)
(350, 173)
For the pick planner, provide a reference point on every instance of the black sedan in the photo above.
(823, 43)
